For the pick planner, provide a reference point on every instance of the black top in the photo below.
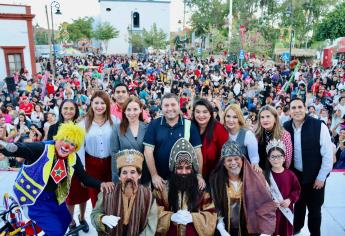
(53, 129)
(32, 151)
(310, 144)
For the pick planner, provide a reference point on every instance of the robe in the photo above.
(139, 214)
(250, 208)
(289, 187)
(204, 220)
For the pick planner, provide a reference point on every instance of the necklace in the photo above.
(268, 136)
(99, 122)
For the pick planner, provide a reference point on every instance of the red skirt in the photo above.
(78, 193)
(98, 168)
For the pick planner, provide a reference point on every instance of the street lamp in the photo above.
(230, 25)
(56, 5)
(289, 14)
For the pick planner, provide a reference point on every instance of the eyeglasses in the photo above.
(276, 158)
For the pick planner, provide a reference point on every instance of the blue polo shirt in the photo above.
(161, 136)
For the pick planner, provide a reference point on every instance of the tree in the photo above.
(63, 35)
(104, 32)
(333, 25)
(155, 38)
(80, 29)
(137, 41)
(207, 14)
(41, 37)
(218, 40)
(305, 16)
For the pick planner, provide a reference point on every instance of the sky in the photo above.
(73, 9)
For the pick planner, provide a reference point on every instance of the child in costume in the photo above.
(43, 183)
(284, 185)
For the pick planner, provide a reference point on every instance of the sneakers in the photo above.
(84, 224)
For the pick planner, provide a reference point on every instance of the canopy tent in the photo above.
(296, 52)
(70, 52)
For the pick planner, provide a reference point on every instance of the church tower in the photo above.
(133, 16)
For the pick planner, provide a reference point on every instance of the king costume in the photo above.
(203, 213)
(137, 214)
(244, 204)
(43, 183)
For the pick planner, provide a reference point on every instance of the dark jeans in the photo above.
(313, 200)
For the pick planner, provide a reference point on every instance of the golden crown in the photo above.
(275, 143)
(129, 157)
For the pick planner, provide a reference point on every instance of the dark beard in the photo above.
(186, 184)
(183, 182)
(129, 187)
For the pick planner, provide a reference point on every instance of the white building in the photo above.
(17, 48)
(133, 15)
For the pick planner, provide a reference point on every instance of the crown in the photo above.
(275, 143)
(129, 157)
(183, 151)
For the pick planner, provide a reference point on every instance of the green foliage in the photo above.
(269, 17)
(305, 15)
(104, 32)
(63, 35)
(207, 14)
(41, 37)
(80, 29)
(333, 25)
(218, 40)
(155, 37)
(256, 43)
(137, 41)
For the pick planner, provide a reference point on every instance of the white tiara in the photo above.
(275, 143)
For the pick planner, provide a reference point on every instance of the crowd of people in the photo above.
(175, 144)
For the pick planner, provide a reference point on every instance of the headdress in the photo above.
(129, 157)
(275, 143)
(230, 149)
(183, 151)
(71, 132)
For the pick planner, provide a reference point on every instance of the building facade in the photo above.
(133, 16)
(17, 48)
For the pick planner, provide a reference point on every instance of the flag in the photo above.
(59, 171)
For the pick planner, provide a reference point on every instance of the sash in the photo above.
(278, 196)
(187, 125)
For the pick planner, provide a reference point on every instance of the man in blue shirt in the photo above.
(161, 135)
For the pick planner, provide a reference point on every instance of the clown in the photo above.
(44, 181)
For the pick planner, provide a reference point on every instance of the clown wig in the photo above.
(72, 133)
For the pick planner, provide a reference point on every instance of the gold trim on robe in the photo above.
(204, 221)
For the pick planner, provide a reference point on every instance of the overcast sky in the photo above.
(72, 9)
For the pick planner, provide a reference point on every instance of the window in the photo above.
(136, 20)
(14, 58)
(14, 62)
